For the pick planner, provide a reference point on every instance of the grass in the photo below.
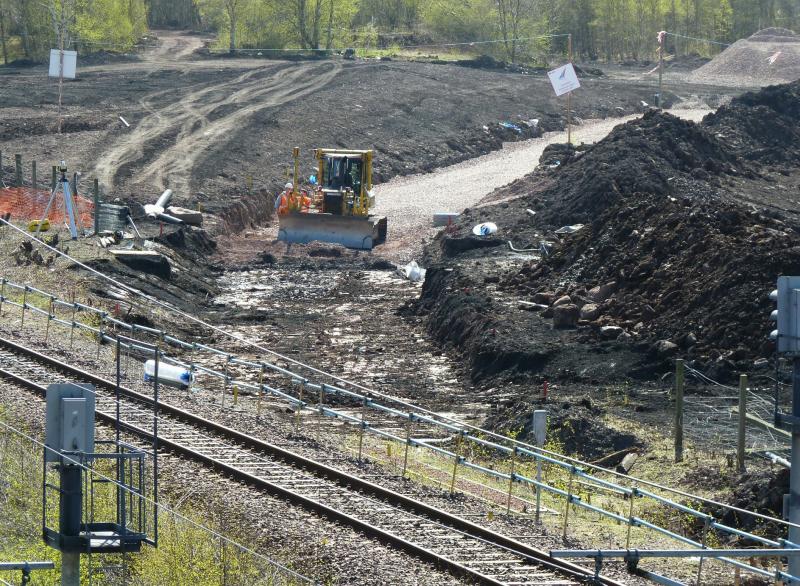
(186, 554)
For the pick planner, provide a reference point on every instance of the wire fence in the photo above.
(523, 473)
(209, 553)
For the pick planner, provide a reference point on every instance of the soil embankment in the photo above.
(680, 231)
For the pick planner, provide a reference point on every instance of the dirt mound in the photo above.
(672, 255)
(773, 34)
(768, 57)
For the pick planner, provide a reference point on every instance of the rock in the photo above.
(192, 217)
(761, 363)
(611, 332)
(648, 312)
(590, 311)
(665, 348)
(603, 292)
(544, 298)
(690, 340)
(548, 313)
(624, 337)
(566, 316)
(565, 300)
(528, 306)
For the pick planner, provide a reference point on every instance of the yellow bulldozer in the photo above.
(337, 209)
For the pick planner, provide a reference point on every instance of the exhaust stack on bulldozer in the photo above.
(337, 210)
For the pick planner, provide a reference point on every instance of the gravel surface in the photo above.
(410, 202)
(316, 547)
(746, 63)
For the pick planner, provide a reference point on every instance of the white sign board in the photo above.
(70, 63)
(564, 79)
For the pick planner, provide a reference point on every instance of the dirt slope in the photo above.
(686, 228)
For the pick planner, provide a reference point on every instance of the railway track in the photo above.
(459, 546)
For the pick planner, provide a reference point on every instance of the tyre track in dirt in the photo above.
(191, 123)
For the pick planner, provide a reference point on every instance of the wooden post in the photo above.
(96, 205)
(679, 380)
(18, 176)
(742, 423)
(569, 95)
(33, 174)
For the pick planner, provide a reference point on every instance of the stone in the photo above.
(565, 300)
(603, 292)
(528, 306)
(690, 340)
(761, 363)
(590, 311)
(611, 332)
(545, 298)
(665, 348)
(566, 316)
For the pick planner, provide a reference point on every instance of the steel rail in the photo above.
(530, 555)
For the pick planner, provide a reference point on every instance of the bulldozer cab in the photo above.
(343, 172)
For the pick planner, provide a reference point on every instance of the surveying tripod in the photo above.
(69, 203)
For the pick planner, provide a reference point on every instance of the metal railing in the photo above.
(461, 435)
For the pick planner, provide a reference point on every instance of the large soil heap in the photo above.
(686, 227)
(769, 56)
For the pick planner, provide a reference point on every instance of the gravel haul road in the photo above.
(410, 202)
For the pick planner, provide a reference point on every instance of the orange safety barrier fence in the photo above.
(26, 204)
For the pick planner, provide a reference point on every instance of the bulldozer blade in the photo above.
(358, 232)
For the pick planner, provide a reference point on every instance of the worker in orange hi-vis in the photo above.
(282, 201)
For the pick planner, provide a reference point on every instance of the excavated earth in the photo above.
(685, 228)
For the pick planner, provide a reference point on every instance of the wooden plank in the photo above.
(758, 422)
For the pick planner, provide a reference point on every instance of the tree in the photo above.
(3, 31)
(231, 6)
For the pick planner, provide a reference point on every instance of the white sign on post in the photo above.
(564, 79)
(70, 63)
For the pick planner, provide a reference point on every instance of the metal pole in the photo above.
(70, 517)
(408, 442)
(72, 323)
(630, 520)
(33, 175)
(155, 446)
(794, 478)
(96, 206)
(569, 501)
(24, 304)
(742, 422)
(456, 462)
(49, 317)
(569, 95)
(679, 380)
(661, 38)
(362, 428)
(511, 479)
(260, 389)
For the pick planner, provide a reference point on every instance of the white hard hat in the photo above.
(288, 186)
